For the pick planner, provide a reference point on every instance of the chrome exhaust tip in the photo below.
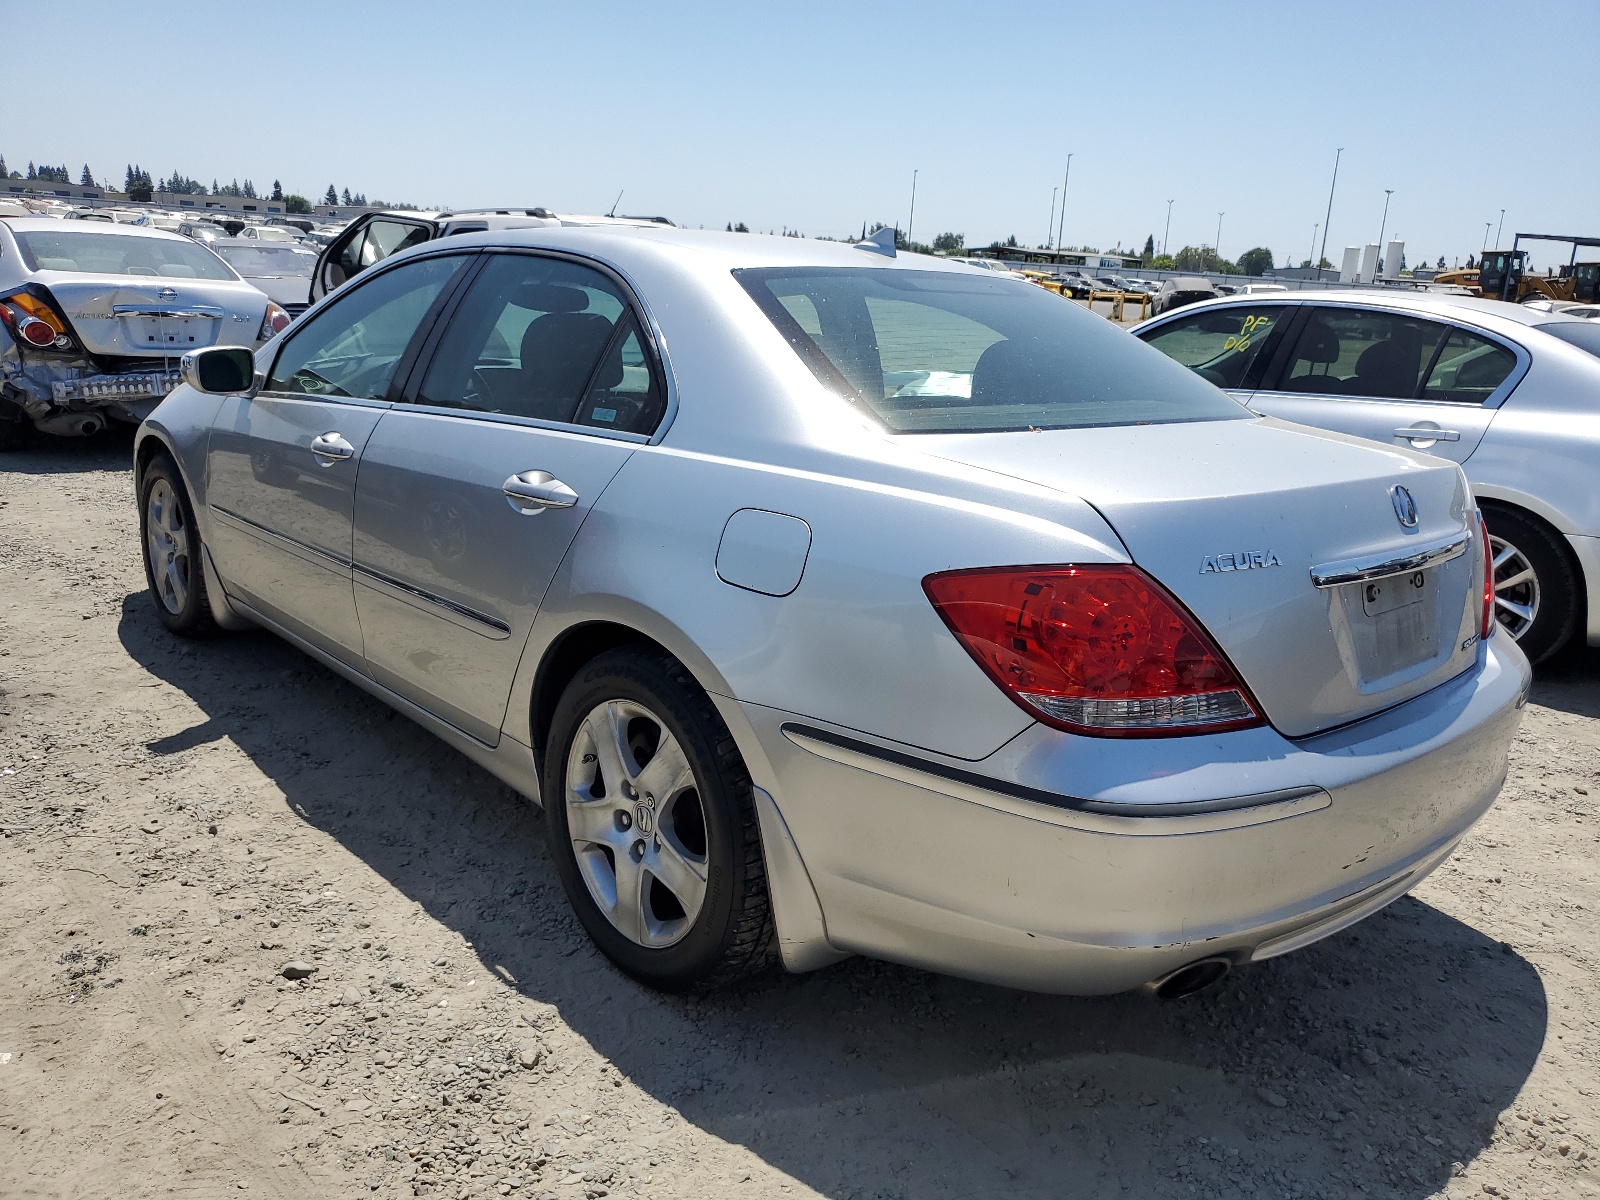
(76, 424)
(1189, 980)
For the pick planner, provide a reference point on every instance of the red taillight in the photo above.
(275, 322)
(36, 333)
(1099, 649)
(1487, 622)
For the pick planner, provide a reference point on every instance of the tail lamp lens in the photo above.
(34, 321)
(1100, 649)
(274, 323)
(1487, 623)
(36, 333)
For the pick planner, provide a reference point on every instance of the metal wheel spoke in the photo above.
(594, 821)
(176, 585)
(682, 873)
(628, 913)
(1521, 611)
(1506, 554)
(667, 773)
(609, 728)
(1521, 576)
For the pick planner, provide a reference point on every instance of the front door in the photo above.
(365, 244)
(281, 466)
(539, 390)
(1392, 377)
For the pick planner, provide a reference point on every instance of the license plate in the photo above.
(176, 334)
(1398, 624)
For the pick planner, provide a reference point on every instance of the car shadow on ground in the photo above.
(1369, 1063)
(109, 450)
(1570, 681)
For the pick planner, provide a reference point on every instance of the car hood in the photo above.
(1233, 516)
(156, 316)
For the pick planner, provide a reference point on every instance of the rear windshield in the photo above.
(949, 352)
(1583, 334)
(118, 254)
(267, 260)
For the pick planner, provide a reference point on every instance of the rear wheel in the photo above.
(1536, 594)
(653, 825)
(172, 552)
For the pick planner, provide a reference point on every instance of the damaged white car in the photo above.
(94, 317)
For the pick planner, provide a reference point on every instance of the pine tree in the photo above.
(32, 174)
(332, 197)
(86, 180)
(3, 174)
(277, 190)
(1150, 246)
(250, 190)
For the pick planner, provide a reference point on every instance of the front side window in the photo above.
(547, 339)
(118, 254)
(354, 345)
(1362, 352)
(1221, 345)
(951, 352)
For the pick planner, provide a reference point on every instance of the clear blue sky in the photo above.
(813, 116)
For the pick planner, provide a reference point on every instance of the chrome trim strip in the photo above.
(274, 535)
(471, 618)
(1381, 566)
(1099, 816)
(167, 310)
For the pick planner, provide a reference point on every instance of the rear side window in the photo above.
(1468, 369)
(354, 345)
(547, 339)
(1221, 345)
(1361, 352)
(953, 352)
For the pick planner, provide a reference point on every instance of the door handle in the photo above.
(531, 492)
(1419, 434)
(330, 448)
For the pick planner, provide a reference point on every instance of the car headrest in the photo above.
(549, 298)
(559, 349)
(1319, 344)
(1387, 369)
(1007, 374)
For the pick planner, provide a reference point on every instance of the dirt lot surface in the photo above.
(183, 820)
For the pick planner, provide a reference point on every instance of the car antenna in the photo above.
(614, 204)
(881, 242)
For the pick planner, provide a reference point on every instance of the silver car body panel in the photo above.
(1535, 442)
(908, 808)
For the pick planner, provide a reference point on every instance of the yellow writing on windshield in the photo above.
(1252, 325)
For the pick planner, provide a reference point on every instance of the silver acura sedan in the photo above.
(832, 602)
(1509, 391)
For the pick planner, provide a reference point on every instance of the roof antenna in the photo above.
(614, 204)
(881, 242)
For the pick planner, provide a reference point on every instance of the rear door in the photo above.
(539, 389)
(1393, 377)
(281, 465)
(368, 241)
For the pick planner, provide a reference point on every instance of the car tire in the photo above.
(687, 910)
(1537, 598)
(172, 551)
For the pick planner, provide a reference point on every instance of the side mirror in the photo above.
(220, 370)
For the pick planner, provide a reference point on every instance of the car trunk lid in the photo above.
(155, 317)
(1235, 518)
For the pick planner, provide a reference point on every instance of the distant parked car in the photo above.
(1181, 290)
(268, 233)
(1511, 393)
(282, 272)
(94, 317)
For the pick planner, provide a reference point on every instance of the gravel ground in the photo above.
(183, 821)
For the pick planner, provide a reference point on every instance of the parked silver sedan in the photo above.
(1508, 391)
(94, 317)
(834, 602)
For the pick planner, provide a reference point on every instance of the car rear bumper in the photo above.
(1035, 869)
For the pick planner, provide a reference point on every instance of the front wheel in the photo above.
(1536, 596)
(172, 564)
(653, 825)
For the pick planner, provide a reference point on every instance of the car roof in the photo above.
(107, 228)
(1422, 302)
(706, 248)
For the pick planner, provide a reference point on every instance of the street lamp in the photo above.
(1499, 228)
(1051, 228)
(1168, 229)
(1387, 192)
(1329, 217)
(1311, 259)
(911, 221)
(1216, 246)
(1063, 216)
(1486, 226)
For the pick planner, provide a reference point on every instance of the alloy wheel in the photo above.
(167, 546)
(1516, 588)
(636, 823)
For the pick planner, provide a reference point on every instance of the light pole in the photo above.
(1050, 229)
(1168, 229)
(1311, 259)
(1486, 225)
(1387, 192)
(911, 221)
(1216, 246)
(1063, 217)
(1329, 217)
(1499, 229)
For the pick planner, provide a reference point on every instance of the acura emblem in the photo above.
(1405, 508)
(167, 293)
